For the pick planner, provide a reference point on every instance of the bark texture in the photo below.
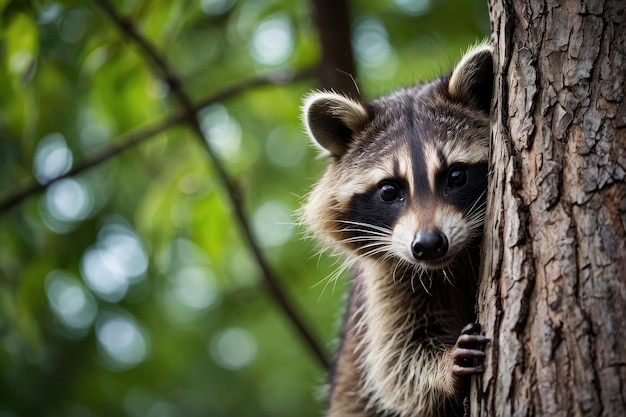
(553, 293)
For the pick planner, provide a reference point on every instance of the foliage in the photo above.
(127, 289)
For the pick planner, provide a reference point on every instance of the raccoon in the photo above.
(403, 197)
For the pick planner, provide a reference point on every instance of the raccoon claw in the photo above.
(471, 328)
(467, 351)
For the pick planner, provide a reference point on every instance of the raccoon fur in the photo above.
(403, 197)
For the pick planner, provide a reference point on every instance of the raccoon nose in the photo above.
(429, 244)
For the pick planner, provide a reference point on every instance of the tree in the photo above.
(553, 290)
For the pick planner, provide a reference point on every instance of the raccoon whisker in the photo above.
(420, 275)
(395, 269)
(355, 239)
(480, 211)
(363, 228)
(373, 248)
(445, 275)
(364, 224)
(368, 227)
(335, 275)
(477, 216)
(327, 280)
(330, 251)
(341, 270)
(413, 280)
(476, 233)
(469, 260)
(430, 279)
(334, 279)
(369, 241)
(330, 277)
(475, 226)
(477, 213)
(476, 221)
(448, 275)
(333, 254)
(366, 232)
(327, 283)
(478, 201)
(376, 249)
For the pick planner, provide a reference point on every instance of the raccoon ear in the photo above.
(472, 79)
(332, 120)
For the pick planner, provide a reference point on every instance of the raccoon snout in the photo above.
(429, 244)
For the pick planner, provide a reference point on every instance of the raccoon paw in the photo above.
(467, 354)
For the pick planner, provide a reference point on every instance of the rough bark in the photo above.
(553, 293)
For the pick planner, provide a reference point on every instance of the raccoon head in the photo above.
(407, 173)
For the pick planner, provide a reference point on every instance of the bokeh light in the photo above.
(216, 7)
(66, 203)
(122, 342)
(93, 136)
(286, 146)
(49, 13)
(233, 348)
(194, 287)
(189, 292)
(223, 131)
(191, 287)
(413, 7)
(273, 224)
(69, 200)
(71, 303)
(272, 40)
(52, 158)
(116, 261)
(372, 48)
(73, 25)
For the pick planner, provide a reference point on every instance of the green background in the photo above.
(127, 290)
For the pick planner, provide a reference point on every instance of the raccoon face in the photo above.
(399, 217)
(407, 174)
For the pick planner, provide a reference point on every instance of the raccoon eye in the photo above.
(457, 177)
(388, 192)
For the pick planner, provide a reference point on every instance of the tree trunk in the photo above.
(553, 293)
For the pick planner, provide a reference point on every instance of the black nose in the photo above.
(429, 244)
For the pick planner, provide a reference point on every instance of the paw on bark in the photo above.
(467, 353)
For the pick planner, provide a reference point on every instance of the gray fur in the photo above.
(404, 314)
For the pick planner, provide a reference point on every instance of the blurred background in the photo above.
(127, 288)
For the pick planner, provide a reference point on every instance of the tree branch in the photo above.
(191, 118)
(337, 70)
(130, 140)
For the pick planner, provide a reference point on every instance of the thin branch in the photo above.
(337, 70)
(169, 75)
(129, 141)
